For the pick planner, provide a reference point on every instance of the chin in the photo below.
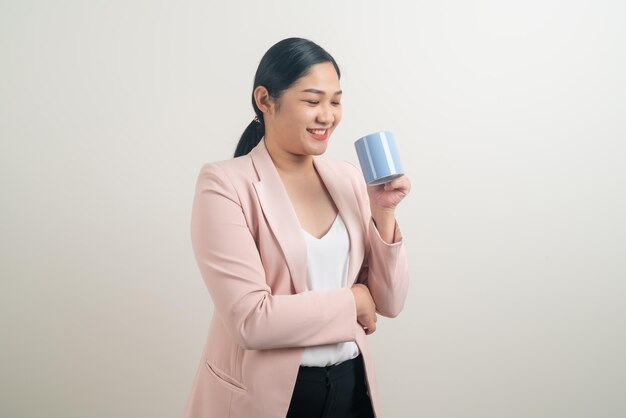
(319, 149)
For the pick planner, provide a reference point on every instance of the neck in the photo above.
(289, 164)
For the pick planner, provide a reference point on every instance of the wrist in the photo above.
(385, 223)
(378, 212)
(357, 292)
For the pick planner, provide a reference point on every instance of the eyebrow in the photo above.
(316, 91)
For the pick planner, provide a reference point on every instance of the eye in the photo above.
(337, 103)
(312, 101)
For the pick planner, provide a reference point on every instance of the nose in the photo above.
(326, 115)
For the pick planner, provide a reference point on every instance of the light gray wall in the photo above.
(511, 120)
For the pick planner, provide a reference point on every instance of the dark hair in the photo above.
(281, 66)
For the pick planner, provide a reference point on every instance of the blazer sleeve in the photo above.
(232, 270)
(384, 270)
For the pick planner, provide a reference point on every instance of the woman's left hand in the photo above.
(385, 197)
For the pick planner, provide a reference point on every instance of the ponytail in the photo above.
(250, 137)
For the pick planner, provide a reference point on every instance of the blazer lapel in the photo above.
(280, 215)
(283, 220)
(340, 189)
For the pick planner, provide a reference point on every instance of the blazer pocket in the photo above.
(225, 379)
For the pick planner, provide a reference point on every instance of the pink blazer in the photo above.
(252, 256)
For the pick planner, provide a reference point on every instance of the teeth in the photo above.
(318, 131)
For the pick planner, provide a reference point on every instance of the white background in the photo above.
(510, 117)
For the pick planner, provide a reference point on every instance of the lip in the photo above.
(319, 137)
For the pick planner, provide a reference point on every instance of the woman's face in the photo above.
(308, 113)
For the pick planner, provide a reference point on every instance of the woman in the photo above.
(297, 253)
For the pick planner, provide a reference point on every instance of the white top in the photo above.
(327, 269)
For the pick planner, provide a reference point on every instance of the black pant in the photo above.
(338, 391)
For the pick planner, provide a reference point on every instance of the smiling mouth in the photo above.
(319, 134)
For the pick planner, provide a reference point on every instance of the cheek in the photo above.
(303, 115)
(338, 115)
(308, 117)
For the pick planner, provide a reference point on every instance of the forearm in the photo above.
(385, 223)
(387, 272)
(301, 320)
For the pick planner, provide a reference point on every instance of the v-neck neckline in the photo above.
(327, 232)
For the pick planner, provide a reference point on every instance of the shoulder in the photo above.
(343, 167)
(233, 169)
(226, 177)
(231, 165)
(348, 176)
(347, 171)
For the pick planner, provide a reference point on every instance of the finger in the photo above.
(368, 330)
(393, 185)
(401, 183)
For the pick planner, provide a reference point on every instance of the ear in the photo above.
(263, 100)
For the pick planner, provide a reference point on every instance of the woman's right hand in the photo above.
(365, 308)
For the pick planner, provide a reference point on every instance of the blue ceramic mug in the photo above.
(379, 158)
